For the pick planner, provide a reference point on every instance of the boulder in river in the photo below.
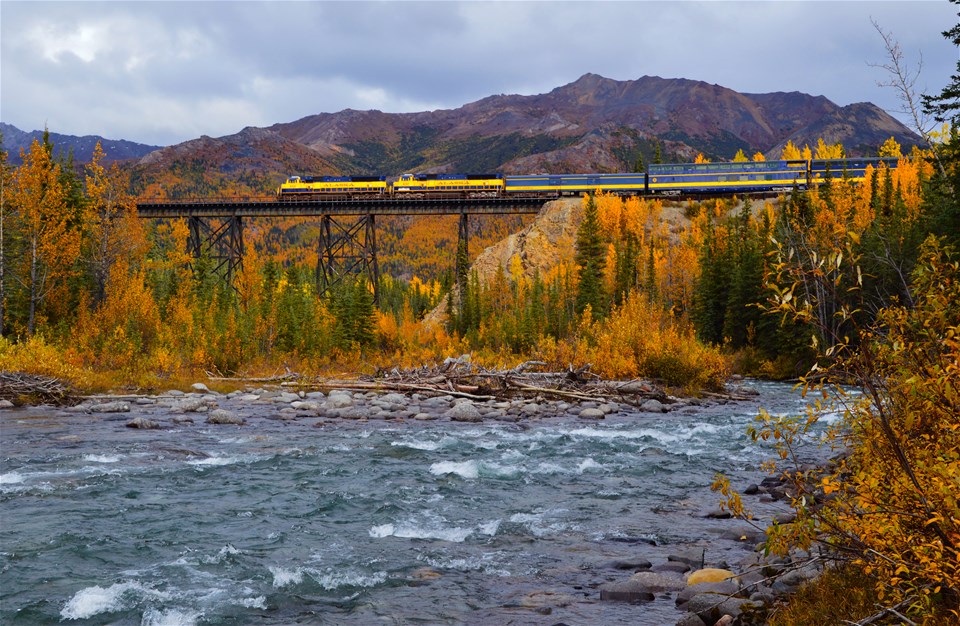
(464, 412)
(656, 582)
(625, 591)
(653, 406)
(339, 400)
(222, 416)
(142, 422)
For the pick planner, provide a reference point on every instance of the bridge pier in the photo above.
(347, 248)
(221, 243)
(462, 257)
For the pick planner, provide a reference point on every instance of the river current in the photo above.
(379, 522)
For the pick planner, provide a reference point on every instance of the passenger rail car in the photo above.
(670, 179)
(853, 169)
(575, 184)
(739, 177)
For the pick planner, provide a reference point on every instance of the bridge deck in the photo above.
(306, 208)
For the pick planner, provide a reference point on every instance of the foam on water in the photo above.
(331, 580)
(588, 464)
(217, 461)
(417, 445)
(101, 458)
(11, 478)
(283, 577)
(430, 525)
(95, 600)
(466, 469)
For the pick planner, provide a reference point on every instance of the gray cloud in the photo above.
(163, 72)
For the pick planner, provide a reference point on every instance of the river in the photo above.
(353, 522)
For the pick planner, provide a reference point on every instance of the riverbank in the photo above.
(531, 508)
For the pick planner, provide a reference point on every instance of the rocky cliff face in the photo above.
(548, 241)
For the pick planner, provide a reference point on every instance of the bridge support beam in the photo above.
(347, 248)
(221, 242)
(463, 257)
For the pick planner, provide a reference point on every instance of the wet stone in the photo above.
(142, 422)
(222, 416)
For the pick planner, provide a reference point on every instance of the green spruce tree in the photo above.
(591, 260)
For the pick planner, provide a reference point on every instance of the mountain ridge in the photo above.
(593, 124)
(15, 139)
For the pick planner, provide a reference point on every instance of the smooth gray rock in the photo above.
(221, 416)
(625, 591)
(653, 406)
(657, 582)
(591, 414)
(672, 566)
(633, 564)
(464, 412)
(142, 422)
(723, 589)
(395, 398)
(190, 405)
(339, 400)
(711, 606)
(694, 557)
(690, 619)
(6, 404)
(200, 387)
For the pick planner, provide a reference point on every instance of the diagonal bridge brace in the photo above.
(221, 242)
(346, 248)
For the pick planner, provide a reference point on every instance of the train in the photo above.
(668, 179)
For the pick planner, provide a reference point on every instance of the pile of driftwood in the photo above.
(462, 378)
(18, 388)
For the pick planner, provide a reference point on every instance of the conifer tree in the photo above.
(591, 261)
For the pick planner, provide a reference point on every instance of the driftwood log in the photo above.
(18, 388)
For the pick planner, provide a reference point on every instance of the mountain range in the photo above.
(593, 124)
(15, 140)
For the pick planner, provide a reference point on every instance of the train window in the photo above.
(721, 179)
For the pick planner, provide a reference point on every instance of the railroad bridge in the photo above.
(348, 241)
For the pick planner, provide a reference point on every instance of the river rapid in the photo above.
(286, 521)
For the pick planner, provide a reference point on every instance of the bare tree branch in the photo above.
(903, 79)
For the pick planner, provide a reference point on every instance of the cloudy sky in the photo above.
(165, 72)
